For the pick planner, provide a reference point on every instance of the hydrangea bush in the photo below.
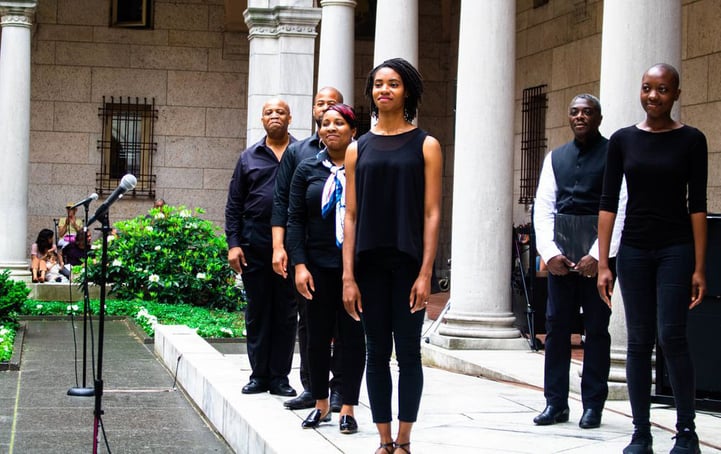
(170, 256)
(12, 295)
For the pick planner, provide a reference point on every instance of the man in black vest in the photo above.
(566, 221)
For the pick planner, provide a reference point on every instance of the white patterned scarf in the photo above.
(333, 196)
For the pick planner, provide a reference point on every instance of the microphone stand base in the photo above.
(81, 392)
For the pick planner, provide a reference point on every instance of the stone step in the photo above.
(56, 291)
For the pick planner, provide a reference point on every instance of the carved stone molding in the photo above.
(281, 20)
(348, 3)
(14, 20)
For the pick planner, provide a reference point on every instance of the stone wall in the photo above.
(559, 44)
(195, 71)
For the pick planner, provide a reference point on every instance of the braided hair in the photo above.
(412, 83)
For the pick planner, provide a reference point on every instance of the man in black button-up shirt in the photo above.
(270, 316)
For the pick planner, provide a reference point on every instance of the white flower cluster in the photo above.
(3, 332)
(227, 331)
(154, 278)
(72, 308)
(184, 214)
(200, 276)
(117, 262)
(151, 320)
(159, 216)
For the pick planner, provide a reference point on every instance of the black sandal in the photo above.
(387, 447)
(404, 446)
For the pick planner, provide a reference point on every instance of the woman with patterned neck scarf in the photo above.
(316, 212)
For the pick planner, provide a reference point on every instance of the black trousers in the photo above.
(270, 323)
(565, 295)
(385, 278)
(336, 380)
(325, 313)
(656, 289)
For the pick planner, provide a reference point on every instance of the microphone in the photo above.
(85, 201)
(126, 184)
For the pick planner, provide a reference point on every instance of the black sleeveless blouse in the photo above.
(390, 190)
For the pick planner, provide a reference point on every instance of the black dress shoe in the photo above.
(591, 419)
(336, 401)
(348, 425)
(282, 389)
(314, 419)
(304, 400)
(551, 415)
(255, 387)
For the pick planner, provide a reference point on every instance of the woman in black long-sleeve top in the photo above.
(315, 236)
(661, 260)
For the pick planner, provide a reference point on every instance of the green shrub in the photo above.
(170, 256)
(12, 294)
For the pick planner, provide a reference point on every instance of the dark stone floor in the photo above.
(142, 412)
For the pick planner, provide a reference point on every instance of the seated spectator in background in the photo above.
(56, 271)
(160, 203)
(75, 252)
(69, 226)
(41, 248)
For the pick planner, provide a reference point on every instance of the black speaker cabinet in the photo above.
(704, 333)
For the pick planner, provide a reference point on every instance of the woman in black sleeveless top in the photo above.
(393, 200)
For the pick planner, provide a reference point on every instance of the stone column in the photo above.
(336, 54)
(16, 21)
(396, 31)
(281, 60)
(480, 315)
(636, 35)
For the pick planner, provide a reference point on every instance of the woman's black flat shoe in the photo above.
(348, 425)
(314, 419)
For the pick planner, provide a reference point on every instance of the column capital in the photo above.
(348, 3)
(282, 20)
(17, 13)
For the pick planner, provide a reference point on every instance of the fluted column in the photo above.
(396, 31)
(281, 60)
(336, 54)
(636, 35)
(16, 21)
(480, 315)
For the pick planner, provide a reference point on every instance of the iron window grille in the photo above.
(127, 144)
(533, 140)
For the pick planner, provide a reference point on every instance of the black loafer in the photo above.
(314, 419)
(348, 425)
(282, 389)
(255, 387)
(551, 415)
(304, 400)
(336, 401)
(591, 419)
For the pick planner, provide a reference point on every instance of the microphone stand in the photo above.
(98, 412)
(84, 391)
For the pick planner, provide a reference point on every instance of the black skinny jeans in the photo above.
(656, 289)
(385, 279)
(323, 313)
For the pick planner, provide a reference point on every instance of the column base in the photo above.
(19, 271)
(475, 343)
